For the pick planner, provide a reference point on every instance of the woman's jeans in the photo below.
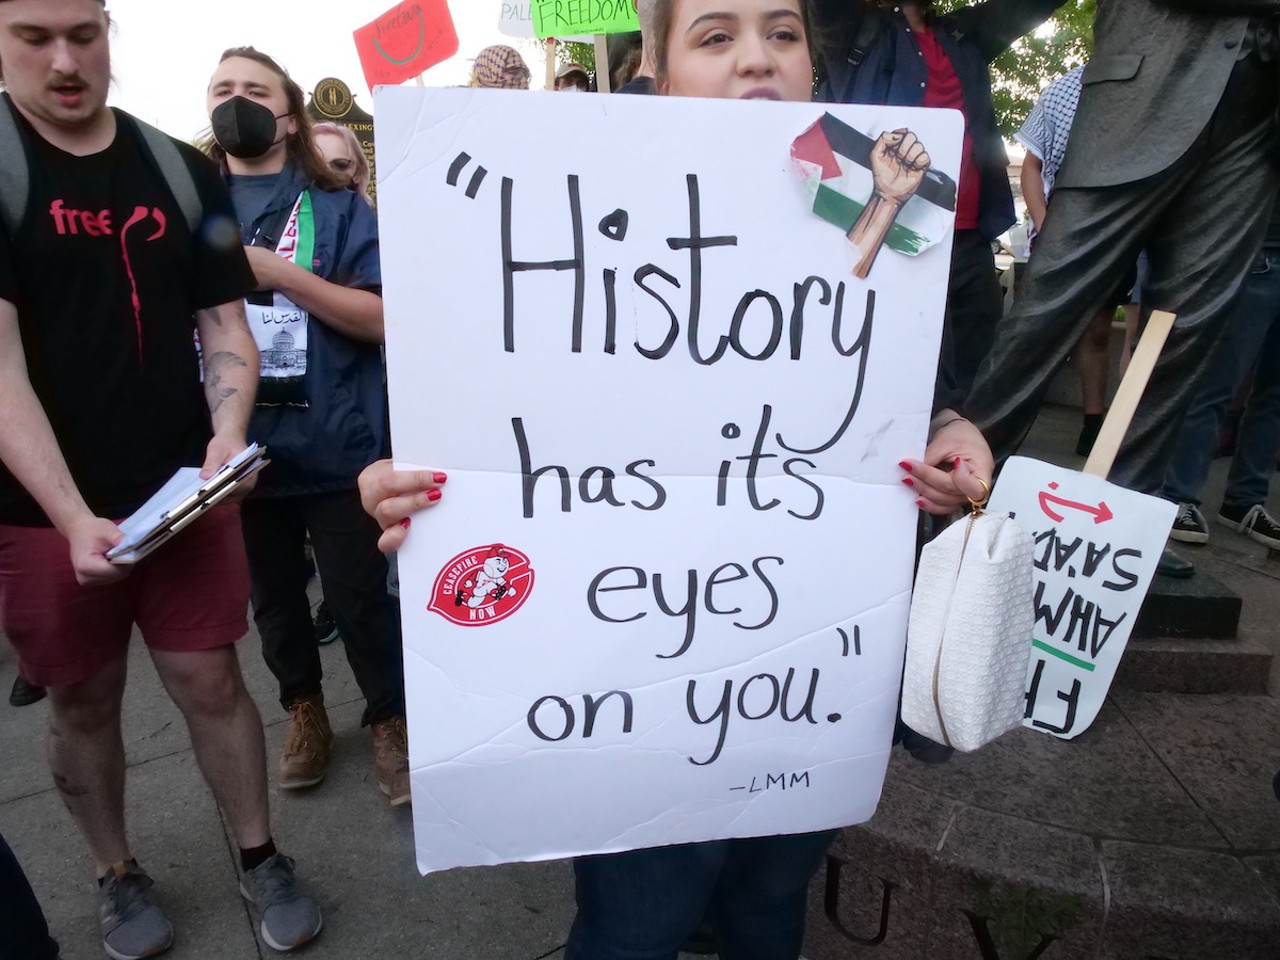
(642, 905)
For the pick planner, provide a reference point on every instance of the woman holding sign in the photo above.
(643, 904)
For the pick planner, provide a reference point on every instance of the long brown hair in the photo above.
(657, 26)
(300, 145)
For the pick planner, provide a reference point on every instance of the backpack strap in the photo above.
(174, 170)
(868, 29)
(15, 178)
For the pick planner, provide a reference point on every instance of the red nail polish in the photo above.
(955, 464)
(908, 481)
(904, 465)
(405, 523)
(439, 477)
(920, 503)
(433, 495)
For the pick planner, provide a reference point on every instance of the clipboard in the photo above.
(182, 500)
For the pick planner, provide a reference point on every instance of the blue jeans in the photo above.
(1253, 337)
(642, 905)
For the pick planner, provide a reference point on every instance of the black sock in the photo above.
(256, 856)
(1094, 420)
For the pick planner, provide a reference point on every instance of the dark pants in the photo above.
(24, 934)
(1201, 223)
(642, 905)
(1252, 342)
(975, 304)
(344, 541)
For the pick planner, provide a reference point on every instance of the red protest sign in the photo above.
(406, 40)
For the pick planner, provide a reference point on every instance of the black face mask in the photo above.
(243, 128)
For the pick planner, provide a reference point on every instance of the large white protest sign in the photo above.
(664, 597)
(1097, 546)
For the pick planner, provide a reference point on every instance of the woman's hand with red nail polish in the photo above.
(956, 458)
(392, 496)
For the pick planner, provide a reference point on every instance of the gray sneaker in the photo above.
(132, 925)
(290, 918)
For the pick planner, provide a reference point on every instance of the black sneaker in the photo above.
(24, 694)
(1189, 525)
(924, 749)
(1254, 522)
(326, 627)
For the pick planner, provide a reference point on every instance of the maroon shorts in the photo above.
(191, 594)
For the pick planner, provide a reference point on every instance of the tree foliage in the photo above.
(583, 54)
(1018, 76)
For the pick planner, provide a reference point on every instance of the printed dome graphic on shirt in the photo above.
(284, 354)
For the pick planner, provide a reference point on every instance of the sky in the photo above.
(164, 52)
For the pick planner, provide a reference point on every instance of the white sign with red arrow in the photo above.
(1097, 546)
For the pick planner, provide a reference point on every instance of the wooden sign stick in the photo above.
(602, 64)
(551, 63)
(1130, 392)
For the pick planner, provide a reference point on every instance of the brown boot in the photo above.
(391, 759)
(307, 745)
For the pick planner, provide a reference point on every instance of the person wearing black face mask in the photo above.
(244, 128)
(321, 412)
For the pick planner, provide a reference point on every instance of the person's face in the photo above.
(739, 49)
(55, 60)
(337, 155)
(242, 77)
(574, 81)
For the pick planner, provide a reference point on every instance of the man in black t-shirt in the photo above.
(103, 287)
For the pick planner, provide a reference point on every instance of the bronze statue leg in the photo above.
(1201, 223)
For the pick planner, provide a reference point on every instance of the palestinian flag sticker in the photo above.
(880, 192)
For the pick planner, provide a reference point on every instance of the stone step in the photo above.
(1187, 639)
(1152, 836)
(1182, 665)
(1199, 607)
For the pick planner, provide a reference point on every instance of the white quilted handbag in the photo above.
(969, 635)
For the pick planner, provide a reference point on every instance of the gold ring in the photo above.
(986, 495)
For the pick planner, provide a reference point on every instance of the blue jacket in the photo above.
(323, 447)
(893, 72)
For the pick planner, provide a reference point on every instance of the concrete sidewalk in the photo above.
(1210, 762)
(351, 848)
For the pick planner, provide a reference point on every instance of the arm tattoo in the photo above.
(215, 368)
